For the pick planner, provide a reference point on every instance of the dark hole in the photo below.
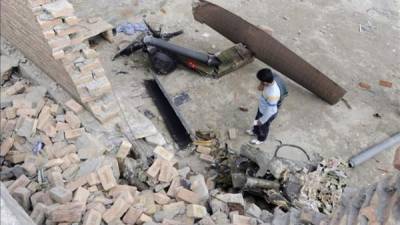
(172, 121)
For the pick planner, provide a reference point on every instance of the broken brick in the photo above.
(92, 217)
(22, 196)
(72, 120)
(74, 105)
(161, 198)
(73, 134)
(207, 158)
(22, 181)
(60, 194)
(6, 145)
(98, 206)
(196, 211)
(38, 214)
(163, 153)
(203, 150)
(188, 196)
(59, 8)
(69, 212)
(154, 169)
(55, 179)
(81, 195)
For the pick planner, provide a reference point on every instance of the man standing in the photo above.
(273, 90)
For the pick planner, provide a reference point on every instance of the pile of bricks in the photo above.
(62, 30)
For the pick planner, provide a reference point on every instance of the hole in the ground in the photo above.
(172, 121)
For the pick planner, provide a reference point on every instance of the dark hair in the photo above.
(265, 75)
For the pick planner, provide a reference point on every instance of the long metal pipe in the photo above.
(269, 50)
(159, 43)
(374, 150)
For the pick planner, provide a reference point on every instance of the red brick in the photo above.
(119, 189)
(385, 83)
(396, 161)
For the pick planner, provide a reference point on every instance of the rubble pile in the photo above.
(61, 173)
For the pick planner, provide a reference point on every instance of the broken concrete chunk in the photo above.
(17, 88)
(89, 147)
(59, 8)
(26, 127)
(157, 139)
(199, 186)
(253, 210)
(8, 65)
(231, 198)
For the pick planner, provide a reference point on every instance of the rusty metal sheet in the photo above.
(268, 49)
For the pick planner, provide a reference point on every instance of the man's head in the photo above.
(265, 76)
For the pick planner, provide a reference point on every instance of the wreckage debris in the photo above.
(268, 49)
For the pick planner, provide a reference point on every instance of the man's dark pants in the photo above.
(261, 131)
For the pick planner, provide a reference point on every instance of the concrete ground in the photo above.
(351, 41)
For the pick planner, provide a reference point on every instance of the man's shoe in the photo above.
(250, 132)
(256, 142)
